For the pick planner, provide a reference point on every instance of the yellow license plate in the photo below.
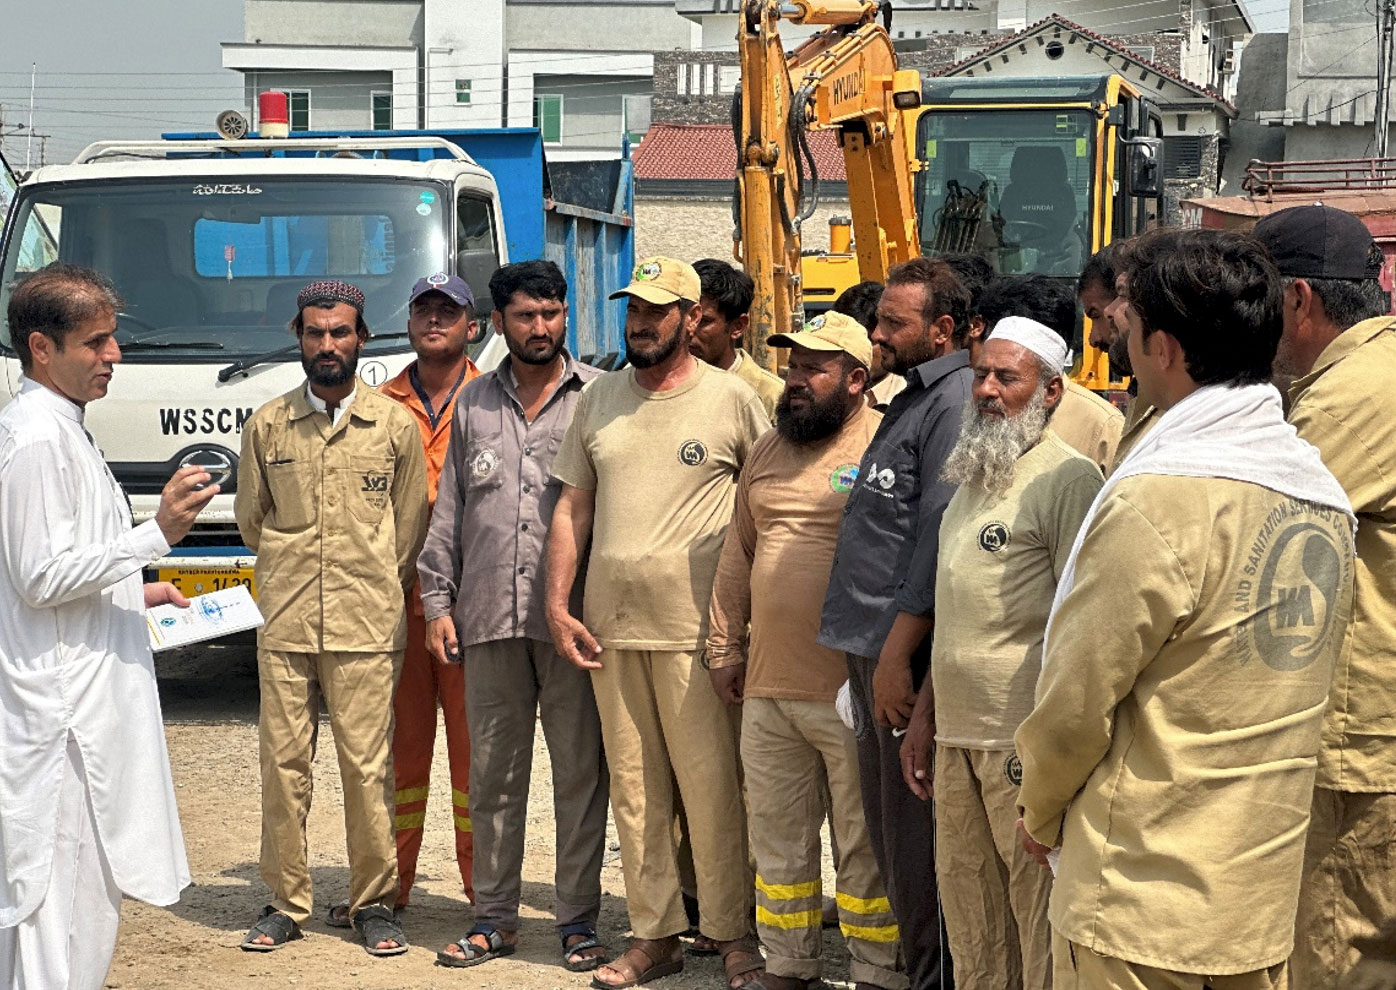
(201, 582)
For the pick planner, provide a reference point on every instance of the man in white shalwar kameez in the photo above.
(87, 808)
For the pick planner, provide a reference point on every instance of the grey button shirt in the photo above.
(483, 558)
(885, 561)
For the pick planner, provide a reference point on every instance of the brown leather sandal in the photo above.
(646, 959)
(739, 957)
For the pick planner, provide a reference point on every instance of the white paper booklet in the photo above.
(208, 616)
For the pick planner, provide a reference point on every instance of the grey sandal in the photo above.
(589, 941)
(276, 926)
(376, 924)
(474, 955)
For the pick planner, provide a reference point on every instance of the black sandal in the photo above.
(274, 925)
(589, 941)
(376, 924)
(474, 955)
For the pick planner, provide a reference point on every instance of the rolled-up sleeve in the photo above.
(916, 594)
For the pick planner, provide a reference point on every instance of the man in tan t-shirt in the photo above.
(648, 469)
(774, 573)
(726, 297)
(1004, 540)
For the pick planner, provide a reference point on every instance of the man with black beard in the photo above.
(1003, 542)
(773, 574)
(332, 496)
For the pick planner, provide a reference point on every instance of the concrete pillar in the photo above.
(465, 56)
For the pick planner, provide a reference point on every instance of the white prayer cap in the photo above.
(1043, 341)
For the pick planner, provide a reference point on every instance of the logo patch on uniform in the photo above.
(484, 464)
(1013, 770)
(647, 272)
(843, 478)
(375, 482)
(440, 278)
(994, 537)
(692, 453)
(884, 478)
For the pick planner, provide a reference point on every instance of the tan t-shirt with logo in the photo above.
(995, 578)
(664, 469)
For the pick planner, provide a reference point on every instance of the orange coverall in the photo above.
(424, 683)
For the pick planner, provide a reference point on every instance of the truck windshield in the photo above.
(209, 270)
(1011, 185)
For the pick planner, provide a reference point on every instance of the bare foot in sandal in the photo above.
(741, 961)
(646, 959)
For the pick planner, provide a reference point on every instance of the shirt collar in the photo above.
(51, 400)
(504, 373)
(304, 402)
(1340, 347)
(927, 373)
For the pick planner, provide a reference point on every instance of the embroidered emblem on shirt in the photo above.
(647, 272)
(1013, 770)
(994, 537)
(484, 464)
(692, 453)
(375, 490)
(843, 478)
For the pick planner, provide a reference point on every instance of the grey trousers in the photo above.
(510, 683)
(902, 829)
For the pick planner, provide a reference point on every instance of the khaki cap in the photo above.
(830, 332)
(662, 281)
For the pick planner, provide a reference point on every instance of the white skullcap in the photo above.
(1043, 341)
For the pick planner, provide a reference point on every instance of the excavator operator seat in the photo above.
(1038, 194)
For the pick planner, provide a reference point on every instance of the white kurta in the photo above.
(75, 661)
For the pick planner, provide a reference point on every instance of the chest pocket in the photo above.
(367, 484)
(293, 491)
(484, 463)
(553, 445)
(888, 476)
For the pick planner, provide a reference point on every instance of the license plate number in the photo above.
(201, 582)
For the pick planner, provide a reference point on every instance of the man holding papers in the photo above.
(87, 809)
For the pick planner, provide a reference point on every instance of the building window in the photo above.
(547, 116)
(462, 90)
(298, 102)
(1182, 157)
(636, 108)
(382, 111)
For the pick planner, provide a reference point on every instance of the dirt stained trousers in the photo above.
(1075, 967)
(902, 829)
(423, 685)
(663, 724)
(791, 750)
(357, 688)
(68, 940)
(993, 893)
(1348, 893)
(513, 684)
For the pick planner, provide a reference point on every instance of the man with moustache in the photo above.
(332, 497)
(726, 298)
(649, 470)
(773, 574)
(881, 600)
(1003, 543)
(440, 321)
(482, 590)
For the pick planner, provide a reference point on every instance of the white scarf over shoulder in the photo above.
(1236, 433)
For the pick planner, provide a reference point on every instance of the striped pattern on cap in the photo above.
(330, 291)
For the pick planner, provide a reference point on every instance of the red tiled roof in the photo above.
(706, 151)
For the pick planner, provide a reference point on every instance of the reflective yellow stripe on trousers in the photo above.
(461, 800)
(869, 908)
(776, 893)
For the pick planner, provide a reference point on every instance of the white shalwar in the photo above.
(87, 808)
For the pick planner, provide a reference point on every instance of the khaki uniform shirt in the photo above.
(1174, 742)
(664, 469)
(1139, 420)
(336, 516)
(885, 390)
(774, 569)
(999, 562)
(1089, 425)
(1346, 407)
(768, 387)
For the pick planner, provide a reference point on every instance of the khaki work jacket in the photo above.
(336, 515)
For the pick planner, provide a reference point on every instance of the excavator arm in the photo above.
(843, 78)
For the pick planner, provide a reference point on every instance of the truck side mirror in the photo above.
(1145, 155)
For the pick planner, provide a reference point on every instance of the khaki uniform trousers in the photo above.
(790, 750)
(662, 725)
(1075, 967)
(357, 688)
(993, 893)
(1348, 894)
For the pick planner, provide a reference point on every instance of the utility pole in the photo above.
(29, 148)
(1386, 20)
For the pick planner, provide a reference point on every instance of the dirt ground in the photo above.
(210, 700)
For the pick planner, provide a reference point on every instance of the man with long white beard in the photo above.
(1004, 540)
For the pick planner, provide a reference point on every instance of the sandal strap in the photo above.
(273, 924)
(589, 943)
(377, 924)
(577, 928)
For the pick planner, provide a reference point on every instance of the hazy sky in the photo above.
(113, 69)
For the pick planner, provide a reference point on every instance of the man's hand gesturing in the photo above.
(182, 501)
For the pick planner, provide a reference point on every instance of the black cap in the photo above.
(1319, 242)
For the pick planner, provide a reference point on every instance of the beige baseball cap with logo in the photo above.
(830, 332)
(662, 281)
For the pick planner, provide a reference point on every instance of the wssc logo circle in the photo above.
(1013, 769)
(692, 453)
(1298, 615)
(994, 537)
(843, 478)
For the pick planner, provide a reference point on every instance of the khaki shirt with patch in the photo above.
(775, 563)
(1089, 425)
(1000, 558)
(1173, 745)
(336, 516)
(1346, 407)
(664, 469)
(768, 387)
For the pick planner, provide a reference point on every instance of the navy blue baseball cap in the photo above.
(453, 287)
